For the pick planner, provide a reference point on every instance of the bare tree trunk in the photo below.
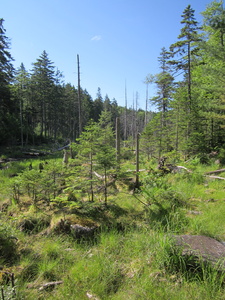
(189, 77)
(125, 119)
(105, 187)
(79, 98)
(137, 184)
(91, 176)
(146, 104)
(118, 143)
(21, 121)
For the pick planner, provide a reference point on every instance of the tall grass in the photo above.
(133, 254)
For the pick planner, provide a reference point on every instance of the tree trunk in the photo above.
(137, 184)
(91, 176)
(118, 143)
(79, 97)
(105, 187)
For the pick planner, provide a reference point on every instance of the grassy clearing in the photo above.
(131, 256)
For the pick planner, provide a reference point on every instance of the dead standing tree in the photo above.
(137, 183)
(79, 96)
(65, 157)
(118, 143)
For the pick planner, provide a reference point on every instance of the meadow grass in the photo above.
(132, 256)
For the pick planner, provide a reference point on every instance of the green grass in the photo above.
(132, 255)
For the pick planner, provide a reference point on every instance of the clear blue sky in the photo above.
(117, 40)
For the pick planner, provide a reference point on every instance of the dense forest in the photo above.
(37, 106)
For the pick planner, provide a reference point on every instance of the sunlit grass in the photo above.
(130, 258)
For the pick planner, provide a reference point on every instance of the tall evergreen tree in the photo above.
(214, 18)
(87, 107)
(86, 153)
(164, 84)
(7, 107)
(212, 73)
(69, 119)
(6, 67)
(106, 151)
(185, 49)
(43, 80)
(22, 95)
(184, 58)
(98, 106)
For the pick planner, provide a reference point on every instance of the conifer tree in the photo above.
(7, 107)
(6, 67)
(164, 84)
(213, 73)
(43, 81)
(184, 51)
(69, 113)
(21, 89)
(106, 152)
(98, 106)
(87, 151)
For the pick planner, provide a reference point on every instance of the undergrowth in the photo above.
(131, 253)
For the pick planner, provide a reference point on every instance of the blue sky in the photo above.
(117, 41)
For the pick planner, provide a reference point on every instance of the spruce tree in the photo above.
(212, 69)
(98, 106)
(22, 94)
(164, 84)
(183, 52)
(43, 80)
(69, 119)
(7, 106)
(105, 146)
(6, 67)
(86, 151)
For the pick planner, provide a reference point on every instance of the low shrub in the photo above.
(34, 224)
(8, 247)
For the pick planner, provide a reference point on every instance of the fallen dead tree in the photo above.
(168, 168)
(206, 174)
(63, 147)
(48, 285)
(98, 175)
(35, 153)
(109, 183)
(177, 168)
(215, 177)
(215, 172)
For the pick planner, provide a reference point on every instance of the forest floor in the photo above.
(55, 243)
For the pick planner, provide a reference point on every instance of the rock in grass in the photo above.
(80, 232)
(202, 248)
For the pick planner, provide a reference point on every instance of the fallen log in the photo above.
(64, 147)
(109, 183)
(49, 284)
(215, 177)
(181, 168)
(32, 153)
(206, 174)
(215, 172)
(98, 175)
